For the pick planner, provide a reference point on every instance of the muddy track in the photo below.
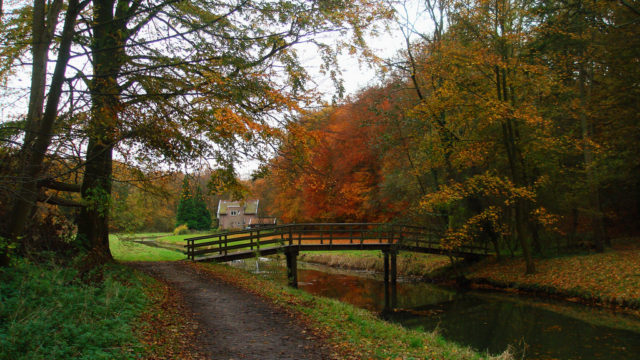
(235, 324)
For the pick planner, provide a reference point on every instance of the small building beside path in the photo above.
(241, 215)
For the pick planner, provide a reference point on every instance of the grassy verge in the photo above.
(609, 278)
(408, 264)
(125, 250)
(46, 312)
(354, 333)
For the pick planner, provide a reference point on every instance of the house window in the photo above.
(234, 212)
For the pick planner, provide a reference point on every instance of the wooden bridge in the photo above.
(292, 238)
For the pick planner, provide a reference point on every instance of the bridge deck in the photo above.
(245, 244)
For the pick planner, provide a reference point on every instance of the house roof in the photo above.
(250, 206)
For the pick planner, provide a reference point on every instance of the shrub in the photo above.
(181, 230)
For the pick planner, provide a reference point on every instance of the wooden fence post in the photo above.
(290, 235)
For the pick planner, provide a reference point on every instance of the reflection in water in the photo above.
(542, 334)
(367, 292)
(485, 321)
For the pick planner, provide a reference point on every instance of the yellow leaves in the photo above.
(484, 185)
(547, 220)
(497, 194)
(446, 195)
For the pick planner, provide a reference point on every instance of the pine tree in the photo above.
(192, 209)
(202, 216)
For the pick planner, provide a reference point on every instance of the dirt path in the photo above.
(236, 324)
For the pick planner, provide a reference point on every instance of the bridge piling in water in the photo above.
(390, 279)
(387, 305)
(292, 267)
(394, 296)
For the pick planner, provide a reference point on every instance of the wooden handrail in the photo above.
(396, 236)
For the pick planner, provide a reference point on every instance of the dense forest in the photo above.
(512, 122)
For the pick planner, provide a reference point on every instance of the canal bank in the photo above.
(354, 332)
(610, 279)
(487, 321)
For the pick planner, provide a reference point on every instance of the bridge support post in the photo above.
(394, 294)
(390, 280)
(292, 267)
(387, 304)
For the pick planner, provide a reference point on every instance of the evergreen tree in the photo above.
(192, 209)
(202, 216)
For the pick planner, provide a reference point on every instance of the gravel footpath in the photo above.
(235, 324)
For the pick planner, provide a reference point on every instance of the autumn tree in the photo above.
(143, 199)
(588, 46)
(328, 169)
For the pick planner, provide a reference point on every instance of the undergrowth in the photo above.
(47, 312)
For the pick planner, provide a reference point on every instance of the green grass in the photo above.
(125, 250)
(46, 312)
(409, 264)
(353, 332)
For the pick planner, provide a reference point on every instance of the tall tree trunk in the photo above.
(510, 133)
(517, 175)
(40, 123)
(593, 197)
(27, 189)
(108, 57)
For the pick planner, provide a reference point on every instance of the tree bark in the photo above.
(593, 196)
(93, 222)
(39, 126)
(517, 175)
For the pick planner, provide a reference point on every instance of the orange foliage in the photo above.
(329, 168)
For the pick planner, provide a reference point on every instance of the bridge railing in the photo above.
(416, 237)
(290, 234)
(325, 234)
(222, 243)
(339, 233)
